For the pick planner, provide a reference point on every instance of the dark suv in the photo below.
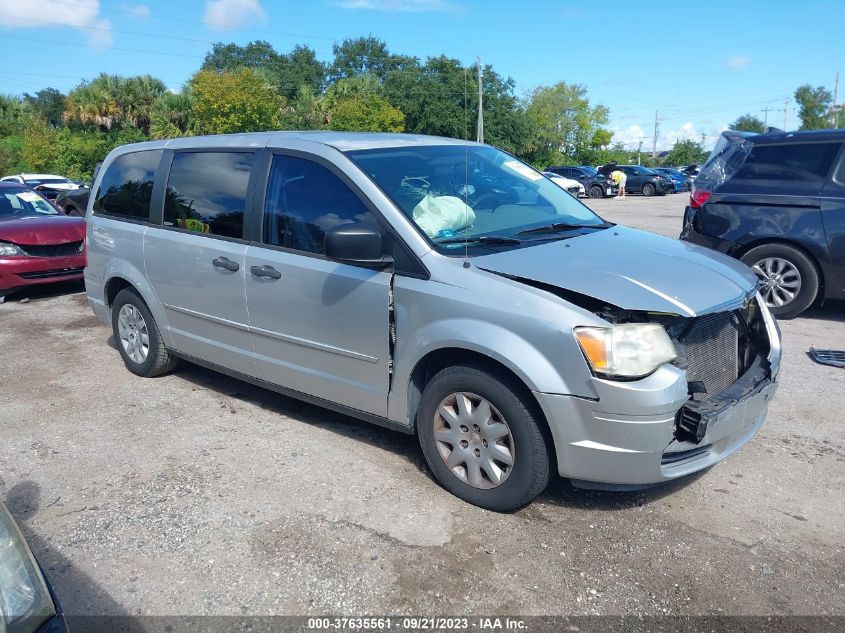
(777, 202)
(646, 181)
(596, 185)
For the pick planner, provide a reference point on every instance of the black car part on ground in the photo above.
(833, 357)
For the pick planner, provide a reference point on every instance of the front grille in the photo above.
(46, 274)
(52, 250)
(711, 347)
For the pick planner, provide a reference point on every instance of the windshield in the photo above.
(590, 171)
(22, 203)
(34, 182)
(472, 192)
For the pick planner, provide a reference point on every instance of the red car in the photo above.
(38, 243)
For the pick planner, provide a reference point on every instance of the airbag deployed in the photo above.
(440, 216)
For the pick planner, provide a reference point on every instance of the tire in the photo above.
(780, 267)
(526, 442)
(648, 189)
(156, 360)
(595, 192)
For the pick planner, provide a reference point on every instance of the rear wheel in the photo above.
(138, 338)
(596, 192)
(482, 438)
(789, 281)
(648, 189)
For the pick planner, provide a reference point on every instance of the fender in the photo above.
(533, 367)
(124, 270)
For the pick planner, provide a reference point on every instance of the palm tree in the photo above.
(110, 100)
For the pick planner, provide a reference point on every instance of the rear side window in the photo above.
(206, 192)
(304, 200)
(127, 186)
(806, 162)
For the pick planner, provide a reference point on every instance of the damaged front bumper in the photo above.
(648, 431)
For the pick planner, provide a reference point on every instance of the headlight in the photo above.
(25, 601)
(7, 249)
(629, 350)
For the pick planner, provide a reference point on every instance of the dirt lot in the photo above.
(198, 494)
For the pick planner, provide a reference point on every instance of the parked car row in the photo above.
(596, 185)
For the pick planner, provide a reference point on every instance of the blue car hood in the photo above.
(633, 270)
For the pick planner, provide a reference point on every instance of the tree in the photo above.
(813, 107)
(288, 73)
(171, 116)
(748, 123)
(686, 152)
(14, 113)
(563, 121)
(110, 100)
(49, 104)
(366, 113)
(304, 112)
(39, 151)
(239, 101)
(362, 55)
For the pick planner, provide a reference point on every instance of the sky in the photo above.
(697, 66)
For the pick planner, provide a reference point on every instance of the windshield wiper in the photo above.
(483, 239)
(560, 226)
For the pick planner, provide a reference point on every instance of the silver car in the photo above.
(434, 287)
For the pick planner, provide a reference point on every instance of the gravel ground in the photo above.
(198, 494)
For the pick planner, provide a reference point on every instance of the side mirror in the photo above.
(359, 244)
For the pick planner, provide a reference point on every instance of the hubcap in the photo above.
(474, 440)
(780, 281)
(132, 330)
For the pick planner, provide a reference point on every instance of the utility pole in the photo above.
(785, 112)
(480, 134)
(765, 112)
(656, 132)
(833, 111)
(640, 149)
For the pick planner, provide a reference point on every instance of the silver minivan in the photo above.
(435, 287)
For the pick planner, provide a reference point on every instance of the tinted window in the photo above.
(304, 200)
(127, 185)
(206, 192)
(795, 161)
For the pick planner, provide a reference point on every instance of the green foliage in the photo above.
(38, 151)
(562, 120)
(366, 113)
(239, 101)
(14, 113)
(171, 116)
(686, 152)
(114, 101)
(289, 73)
(10, 154)
(49, 104)
(748, 123)
(304, 112)
(366, 55)
(814, 107)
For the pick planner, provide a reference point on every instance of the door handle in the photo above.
(225, 262)
(265, 271)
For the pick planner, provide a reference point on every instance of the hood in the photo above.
(633, 270)
(46, 230)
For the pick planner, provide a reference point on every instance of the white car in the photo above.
(572, 186)
(49, 180)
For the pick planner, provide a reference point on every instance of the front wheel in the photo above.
(482, 438)
(596, 192)
(789, 281)
(648, 189)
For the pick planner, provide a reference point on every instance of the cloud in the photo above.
(140, 11)
(231, 14)
(739, 62)
(629, 136)
(79, 14)
(398, 6)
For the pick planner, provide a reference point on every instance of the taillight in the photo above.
(698, 197)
